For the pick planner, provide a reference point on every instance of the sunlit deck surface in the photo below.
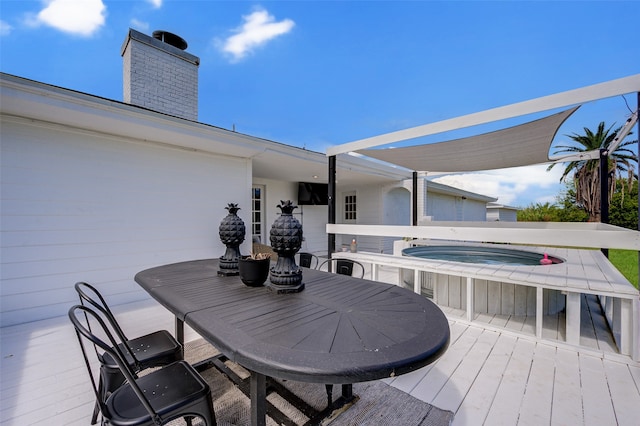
(492, 373)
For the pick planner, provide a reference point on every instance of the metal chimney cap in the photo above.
(170, 38)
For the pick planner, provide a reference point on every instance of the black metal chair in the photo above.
(308, 260)
(343, 267)
(151, 350)
(171, 392)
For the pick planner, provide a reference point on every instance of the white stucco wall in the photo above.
(83, 206)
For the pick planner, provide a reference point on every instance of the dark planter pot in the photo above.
(253, 272)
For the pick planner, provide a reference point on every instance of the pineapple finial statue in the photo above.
(286, 240)
(231, 233)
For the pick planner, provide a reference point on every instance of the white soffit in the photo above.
(521, 145)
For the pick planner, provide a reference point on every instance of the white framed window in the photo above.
(350, 207)
(257, 215)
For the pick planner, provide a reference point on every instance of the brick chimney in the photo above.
(158, 74)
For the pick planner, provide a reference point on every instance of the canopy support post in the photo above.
(604, 191)
(331, 241)
(414, 196)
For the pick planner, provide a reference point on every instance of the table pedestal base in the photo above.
(257, 387)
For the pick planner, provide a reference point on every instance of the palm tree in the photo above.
(586, 175)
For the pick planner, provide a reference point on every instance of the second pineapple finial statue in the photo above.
(286, 240)
(231, 232)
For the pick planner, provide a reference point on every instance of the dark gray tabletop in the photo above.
(338, 330)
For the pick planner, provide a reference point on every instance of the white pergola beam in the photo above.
(604, 90)
(624, 132)
(581, 156)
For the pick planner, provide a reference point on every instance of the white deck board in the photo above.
(479, 398)
(536, 404)
(437, 377)
(505, 409)
(597, 404)
(567, 402)
(635, 373)
(451, 395)
(624, 395)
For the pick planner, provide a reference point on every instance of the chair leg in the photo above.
(109, 381)
(204, 410)
(94, 416)
(96, 408)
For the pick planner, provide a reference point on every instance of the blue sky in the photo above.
(320, 73)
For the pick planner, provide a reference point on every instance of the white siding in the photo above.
(397, 211)
(446, 208)
(80, 206)
(314, 231)
(502, 214)
(493, 215)
(369, 212)
(441, 207)
(474, 210)
(509, 215)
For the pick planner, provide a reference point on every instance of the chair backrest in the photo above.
(113, 347)
(344, 267)
(85, 291)
(308, 260)
(89, 294)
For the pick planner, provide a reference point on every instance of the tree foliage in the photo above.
(540, 212)
(623, 210)
(585, 173)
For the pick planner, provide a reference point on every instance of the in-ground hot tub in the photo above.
(491, 297)
(479, 254)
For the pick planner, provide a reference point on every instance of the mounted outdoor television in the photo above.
(315, 194)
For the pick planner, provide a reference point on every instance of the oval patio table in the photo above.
(339, 330)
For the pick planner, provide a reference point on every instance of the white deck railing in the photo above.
(563, 234)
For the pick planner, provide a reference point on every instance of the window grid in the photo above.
(350, 210)
(256, 213)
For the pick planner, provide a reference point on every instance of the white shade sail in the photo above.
(521, 145)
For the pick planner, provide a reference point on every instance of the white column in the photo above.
(470, 299)
(539, 311)
(573, 318)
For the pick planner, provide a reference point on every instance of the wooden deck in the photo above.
(491, 374)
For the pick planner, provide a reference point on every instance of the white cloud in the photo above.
(519, 185)
(73, 16)
(5, 28)
(259, 27)
(139, 25)
(156, 3)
